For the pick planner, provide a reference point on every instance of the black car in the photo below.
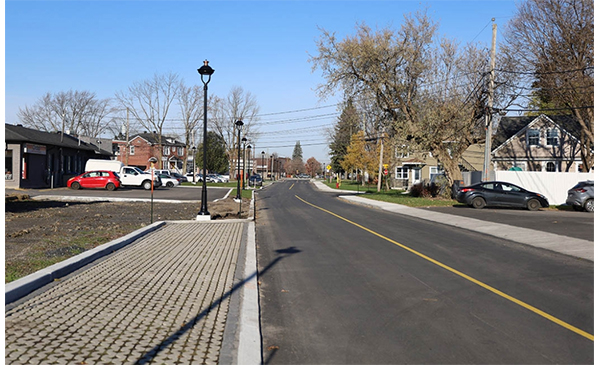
(255, 180)
(498, 193)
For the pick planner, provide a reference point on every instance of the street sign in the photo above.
(385, 172)
(328, 167)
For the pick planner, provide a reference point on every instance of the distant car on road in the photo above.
(255, 180)
(179, 177)
(581, 196)
(498, 193)
(108, 180)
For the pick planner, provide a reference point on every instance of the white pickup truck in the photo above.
(129, 175)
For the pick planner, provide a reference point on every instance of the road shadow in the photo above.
(150, 355)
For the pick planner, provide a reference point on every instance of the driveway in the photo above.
(567, 223)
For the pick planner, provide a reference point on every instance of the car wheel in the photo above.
(110, 187)
(147, 184)
(75, 186)
(589, 205)
(170, 184)
(534, 204)
(478, 203)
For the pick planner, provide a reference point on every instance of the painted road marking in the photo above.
(291, 186)
(465, 276)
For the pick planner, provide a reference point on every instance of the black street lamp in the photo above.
(204, 71)
(194, 164)
(249, 167)
(244, 163)
(262, 164)
(239, 125)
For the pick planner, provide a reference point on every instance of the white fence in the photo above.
(553, 185)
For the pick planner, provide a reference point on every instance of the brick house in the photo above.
(143, 146)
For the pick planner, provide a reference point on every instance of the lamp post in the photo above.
(249, 167)
(244, 163)
(194, 164)
(262, 164)
(204, 71)
(239, 125)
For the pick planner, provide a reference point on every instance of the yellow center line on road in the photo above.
(291, 186)
(465, 276)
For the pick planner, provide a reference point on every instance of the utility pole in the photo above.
(127, 141)
(488, 115)
(380, 164)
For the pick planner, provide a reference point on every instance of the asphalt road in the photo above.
(184, 193)
(342, 283)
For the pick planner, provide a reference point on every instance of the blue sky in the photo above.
(264, 47)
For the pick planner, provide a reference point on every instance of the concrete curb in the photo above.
(249, 345)
(105, 199)
(21, 287)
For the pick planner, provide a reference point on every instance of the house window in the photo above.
(179, 151)
(166, 151)
(552, 137)
(434, 171)
(132, 150)
(402, 172)
(533, 137)
(550, 167)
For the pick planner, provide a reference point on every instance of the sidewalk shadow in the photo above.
(149, 356)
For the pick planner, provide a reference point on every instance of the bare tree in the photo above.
(237, 105)
(553, 43)
(191, 103)
(76, 112)
(149, 102)
(428, 94)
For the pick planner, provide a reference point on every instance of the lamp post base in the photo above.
(202, 217)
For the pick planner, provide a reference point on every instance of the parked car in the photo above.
(498, 193)
(108, 180)
(225, 178)
(255, 180)
(168, 180)
(214, 178)
(190, 177)
(179, 177)
(581, 196)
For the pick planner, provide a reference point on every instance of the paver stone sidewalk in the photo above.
(163, 299)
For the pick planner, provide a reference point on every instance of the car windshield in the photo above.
(139, 171)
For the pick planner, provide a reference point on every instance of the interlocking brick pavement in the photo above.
(162, 300)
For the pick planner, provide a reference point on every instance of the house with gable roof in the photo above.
(145, 145)
(537, 143)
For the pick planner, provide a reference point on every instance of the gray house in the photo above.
(36, 159)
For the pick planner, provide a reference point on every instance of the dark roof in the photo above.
(509, 126)
(153, 139)
(18, 133)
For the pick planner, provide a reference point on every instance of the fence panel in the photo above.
(553, 185)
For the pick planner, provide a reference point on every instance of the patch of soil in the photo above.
(41, 233)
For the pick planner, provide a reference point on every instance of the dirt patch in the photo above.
(41, 233)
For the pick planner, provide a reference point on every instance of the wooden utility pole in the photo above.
(127, 141)
(380, 164)
(488, 116)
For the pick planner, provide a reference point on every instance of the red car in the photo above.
(95, 179)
